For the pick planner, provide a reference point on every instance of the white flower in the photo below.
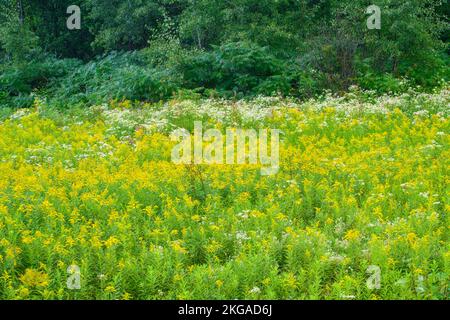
(336, 258)
(101, 276)
(402, 282)
(243, 214)
(242, 235)
(424, 195)
(421, 113)
(255, 290)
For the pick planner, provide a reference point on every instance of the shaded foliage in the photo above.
(237, 48)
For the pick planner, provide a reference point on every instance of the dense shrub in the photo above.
(68, 82)
(115, 76)
(237, 67)
(247, 69)
(18, 81)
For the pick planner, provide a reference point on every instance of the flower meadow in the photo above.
(363, 182)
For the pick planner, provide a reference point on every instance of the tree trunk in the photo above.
(199, 39)
(21, 12)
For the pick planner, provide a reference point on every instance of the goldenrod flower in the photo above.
(34, 278)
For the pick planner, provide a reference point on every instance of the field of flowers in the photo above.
(363, 181)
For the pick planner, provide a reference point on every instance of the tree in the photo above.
(16, 37)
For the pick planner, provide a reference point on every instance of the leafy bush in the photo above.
(115, 76)
(239, 67)
(18, 81)
(18, 41)
(432, 71)
(166, 53)
(247, 69)
(382, 83)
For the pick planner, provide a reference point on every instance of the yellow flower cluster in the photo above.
(354, 189)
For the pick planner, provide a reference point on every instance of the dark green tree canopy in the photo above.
(291, 47)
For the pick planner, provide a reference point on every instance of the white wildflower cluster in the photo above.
(121, 121)
(357, 101)
(242, 236)
(170, 115)
(20, 114)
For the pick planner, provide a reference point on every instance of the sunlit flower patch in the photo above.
(362, 182)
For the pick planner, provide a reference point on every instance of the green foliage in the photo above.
(429, 72)
(238, 67)
(19, 42)
(128, 25)
(47, 19)
(116, 76)
(166, 53)
(17, 82)
(217, 48)
(244, 68)
(278, 24)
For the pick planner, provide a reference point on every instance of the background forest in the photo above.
(154, 49)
